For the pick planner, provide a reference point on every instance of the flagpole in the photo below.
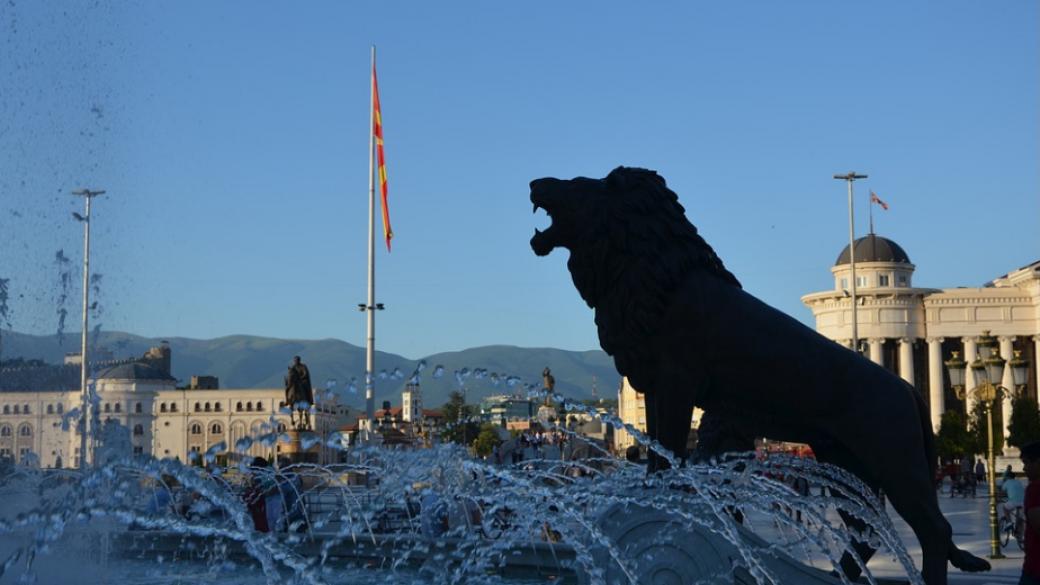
(370, 401)
(871, 206)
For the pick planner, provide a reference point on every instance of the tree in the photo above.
(953, 440)
(1024, 427)
(458, 427)
(487, 439)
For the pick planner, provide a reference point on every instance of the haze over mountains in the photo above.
(245, 361)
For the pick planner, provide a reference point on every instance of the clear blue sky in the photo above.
(232, 138)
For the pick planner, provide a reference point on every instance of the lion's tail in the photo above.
(926, 432)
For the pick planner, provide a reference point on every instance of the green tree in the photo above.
(978, 428)
(953, 440)
(1024, 427)
(458, 426)
(487, 439)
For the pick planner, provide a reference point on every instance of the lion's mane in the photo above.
(640, 251)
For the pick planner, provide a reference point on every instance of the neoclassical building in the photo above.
(912, 330)
(142, 411)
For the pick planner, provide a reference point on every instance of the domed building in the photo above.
(912, 330)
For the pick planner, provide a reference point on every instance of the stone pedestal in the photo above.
(301, 447)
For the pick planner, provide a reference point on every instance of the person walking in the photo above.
(1030, 455)
(980, 471)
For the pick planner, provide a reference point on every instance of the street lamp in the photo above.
(851, 177)
(989, 371)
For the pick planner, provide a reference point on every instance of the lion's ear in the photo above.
(628, 177)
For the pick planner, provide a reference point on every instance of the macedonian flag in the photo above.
(377, 132)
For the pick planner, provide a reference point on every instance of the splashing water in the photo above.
(438, 371)
(431, 515)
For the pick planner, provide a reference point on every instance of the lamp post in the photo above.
(989, 371)
(86, 439)
(851, 177)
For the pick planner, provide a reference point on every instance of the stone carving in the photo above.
(298, 394)
(682, 330)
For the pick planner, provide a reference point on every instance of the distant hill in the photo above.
(246, 361)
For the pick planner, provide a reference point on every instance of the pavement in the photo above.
(969, 518)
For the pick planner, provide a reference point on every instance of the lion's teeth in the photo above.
(534, 208)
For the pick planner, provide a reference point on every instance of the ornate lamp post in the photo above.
(989, 371)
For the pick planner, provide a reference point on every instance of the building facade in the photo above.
(912, 330)
(142, 411)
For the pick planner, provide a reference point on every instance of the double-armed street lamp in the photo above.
(989, 372)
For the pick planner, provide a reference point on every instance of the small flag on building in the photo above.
(377, 131)
(875, 199)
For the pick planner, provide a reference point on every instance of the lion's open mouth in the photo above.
(543, 241)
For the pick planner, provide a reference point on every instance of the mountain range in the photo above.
(246, 361)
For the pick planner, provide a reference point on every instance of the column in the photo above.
(936, 398)
(906, 359)
(970, 354)
(876, 344)
(1007, 381)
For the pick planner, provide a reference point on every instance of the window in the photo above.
(25, 409)
(861, 281)
(162, 407)
(16, 409)
(208, 407)
(5, 431)
(5, 453)
(25, 431)
(118, 407)
(216, 429)
(137, 408)
(198, 407)
(249, 407)
(138, 450)
(281, 427)
(196, 429)
(173, 407)
(50, 409)
(60, 408)
(882, 280)
(108, 407)
(238, 407)
(259, 406)
(217, 407)
(844, 284)
(901, 279)
(138, 430)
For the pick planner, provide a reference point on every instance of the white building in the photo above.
(411, 403)
(143, 412)
(912, 330)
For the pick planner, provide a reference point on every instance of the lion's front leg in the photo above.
(668, 421)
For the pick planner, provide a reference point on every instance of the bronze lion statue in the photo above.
(680, 327)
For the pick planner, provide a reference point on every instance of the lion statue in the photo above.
(680, 327)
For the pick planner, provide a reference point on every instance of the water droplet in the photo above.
(438, 371)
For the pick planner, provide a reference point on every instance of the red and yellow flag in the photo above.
(377, 132)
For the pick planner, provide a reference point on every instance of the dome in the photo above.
(133, 371)
(874, 248)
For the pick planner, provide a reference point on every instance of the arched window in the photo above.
(25, 431)
(259, 406)
(25, 409)
(138, 430)
(238, 407)
(5, 431)
(108, 407)
(249, 407)
(119, 407)
(7, 409)
(16, 409)
(137, 407)
(196, 429)
(50, 409)
(61, 408)
(162, 407)
(198, 407)
(216, 429)
(173, 407)
(208, 407)
(281, 427)
(217, 407)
